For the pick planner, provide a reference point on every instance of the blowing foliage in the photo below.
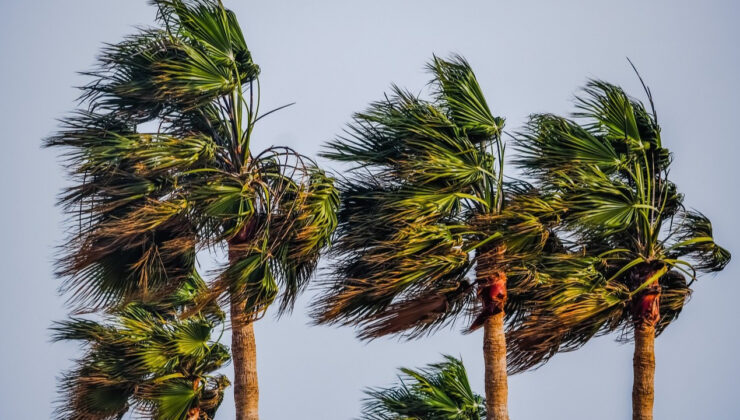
(608, 173)
(143, 359)
(440, 391)
(425, 195)
(162, 167)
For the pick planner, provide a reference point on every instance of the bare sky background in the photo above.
(333, 58)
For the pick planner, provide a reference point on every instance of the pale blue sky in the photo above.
(332, 58)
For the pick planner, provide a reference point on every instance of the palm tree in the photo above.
(440, 391)
(145, 359)
(163, 165)
(424, 204)
(640, 248)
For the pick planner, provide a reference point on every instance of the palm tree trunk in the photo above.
(243, 344)
(644, 373)
(492, 292)
(494, 355)
(244, 354)
(645, 316)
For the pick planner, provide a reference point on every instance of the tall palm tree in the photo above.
(641, 249)
(440, 391)
(163, 165)
(146, 360)
(425, 203)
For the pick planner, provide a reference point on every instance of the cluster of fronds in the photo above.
(424, 195)
(440, 391)
(145, 359)
(150, 199)
(607, 171)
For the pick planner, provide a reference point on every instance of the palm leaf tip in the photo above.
(457, 86)
(695, 239)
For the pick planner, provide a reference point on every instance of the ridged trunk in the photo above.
(243, 344)
(244, 357)
(492, 291)
(645, 316)
(494, 355)
(643, 388)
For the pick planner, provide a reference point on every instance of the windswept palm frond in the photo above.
(440, 391)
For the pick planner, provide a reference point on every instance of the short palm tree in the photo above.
(146, 360)
(164, 168)
(425, 203)
(641, 249)
(440, 391)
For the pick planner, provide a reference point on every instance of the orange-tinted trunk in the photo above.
(244, 356)
(646, 314)
(243, 344)
(194, 413)
(643, 388)
(494, 355)
(492, 291)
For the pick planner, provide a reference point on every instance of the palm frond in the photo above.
(441, 391)
(458, 87)
(694, 239)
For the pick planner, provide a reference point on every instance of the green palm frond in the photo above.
(459, 89)
(440, 391)
(694, 239)
(619, 117)
(314, 213)
(551, 143)
(174, 399)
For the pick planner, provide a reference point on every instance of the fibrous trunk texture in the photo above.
(494, 354)
(243, 345)
(644, 372)
(646, 314)
(491, 281)
(244, 356)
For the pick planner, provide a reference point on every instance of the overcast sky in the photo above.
(333, 58)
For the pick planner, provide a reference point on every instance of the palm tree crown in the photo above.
(163, 163)
(638, 248)
(144, 359)
(440, 391)
(425, 194)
